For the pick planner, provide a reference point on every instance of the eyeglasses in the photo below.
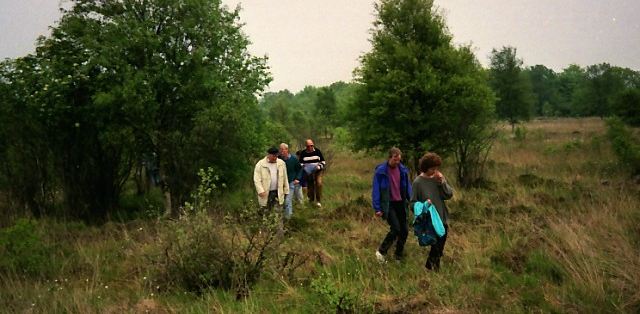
(309, 145)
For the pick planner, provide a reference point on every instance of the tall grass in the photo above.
(555, 229)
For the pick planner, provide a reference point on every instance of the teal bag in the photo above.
(427, 225)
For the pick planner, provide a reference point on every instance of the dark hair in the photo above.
(394, 151)
(429, 160)
(273, 151)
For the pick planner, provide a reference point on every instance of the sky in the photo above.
(319, 42)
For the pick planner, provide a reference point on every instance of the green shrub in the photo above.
(23, 251)
(340, 300)
(627, 106)
(625, 146)
(201, 250)
(520, 133)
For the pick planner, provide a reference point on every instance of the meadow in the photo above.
(554, 228)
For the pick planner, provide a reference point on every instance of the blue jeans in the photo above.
(288, 201)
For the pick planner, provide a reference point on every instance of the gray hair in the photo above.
(285, 145)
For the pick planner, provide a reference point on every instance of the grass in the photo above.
(556, 230)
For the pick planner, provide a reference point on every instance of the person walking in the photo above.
(313, 164)
(294, 174)
(270, 180)
(390, 195)
(431, 186)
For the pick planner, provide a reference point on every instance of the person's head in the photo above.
(284, 150)
(309, 144)
(272, 154)
(429, 163)
(394, 158)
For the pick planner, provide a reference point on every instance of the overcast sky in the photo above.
(319, 42)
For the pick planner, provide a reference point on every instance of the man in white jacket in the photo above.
(270, 179)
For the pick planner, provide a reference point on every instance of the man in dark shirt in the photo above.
(313, 164)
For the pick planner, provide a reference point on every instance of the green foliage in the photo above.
(602, 85)
(570, 81)
(338, 299)
(627, 106)
(23, 250)
(545, 88)
(511, 85)
(326, 109)
(625, 145)
(415, 83)
(118, 80)
(539, 264)
(520, 133)
(310, 113)
(199, 250)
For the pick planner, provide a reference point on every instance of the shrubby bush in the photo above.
(627, 106)
(205, 249)
(625, 146)
(520, 133)
(23, 250)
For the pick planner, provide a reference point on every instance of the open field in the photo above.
(555, 229)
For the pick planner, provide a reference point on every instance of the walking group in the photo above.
(280, 177)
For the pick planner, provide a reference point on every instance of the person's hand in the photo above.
(296, 181)
(318, 167)
(379, 213)
(263, 194)
(438, 176)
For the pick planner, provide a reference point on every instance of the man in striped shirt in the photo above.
(313, 164)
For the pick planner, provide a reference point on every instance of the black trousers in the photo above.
(398, 229)
(437, 249)
(272, 200)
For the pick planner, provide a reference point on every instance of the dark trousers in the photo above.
(398, 229)
(273, 199)
(437, 249)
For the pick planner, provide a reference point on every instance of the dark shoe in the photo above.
(433, 264)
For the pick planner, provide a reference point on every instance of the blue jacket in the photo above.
(380, 194)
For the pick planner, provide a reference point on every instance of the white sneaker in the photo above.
(380, 257)
(318, 204)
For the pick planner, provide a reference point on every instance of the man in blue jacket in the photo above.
(390, 197)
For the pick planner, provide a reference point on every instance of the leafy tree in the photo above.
(345, 93)
(419, 92)
(569, 82)
(326, 109)
(26, 173)
(120, 79)
(602, 84)
(627, 106)
(545, 89)
(515, 99)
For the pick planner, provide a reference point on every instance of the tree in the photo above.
(326, 109)
(569, 82)
(545, 89)
(627, 106)
(419, 92)
(121, 79)
(602, 85)
(515, 99)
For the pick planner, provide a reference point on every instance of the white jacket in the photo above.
(262, 180)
